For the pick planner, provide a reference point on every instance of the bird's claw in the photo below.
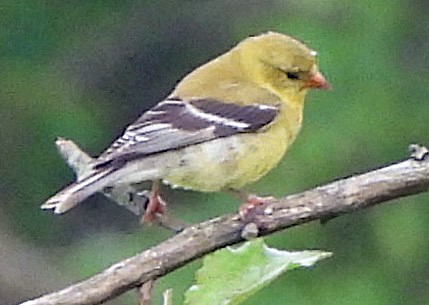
(254, 205)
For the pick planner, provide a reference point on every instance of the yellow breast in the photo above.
(231, 163)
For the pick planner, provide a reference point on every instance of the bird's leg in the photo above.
(156, 205)
(252, 204)
(156, 211)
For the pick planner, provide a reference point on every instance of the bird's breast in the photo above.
(232, 162)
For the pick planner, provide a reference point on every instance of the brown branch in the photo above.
(343, 196)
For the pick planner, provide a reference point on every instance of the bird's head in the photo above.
(281, 62)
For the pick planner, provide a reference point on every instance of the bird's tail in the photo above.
(78, 191)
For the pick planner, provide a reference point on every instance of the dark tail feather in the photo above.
(76, 192)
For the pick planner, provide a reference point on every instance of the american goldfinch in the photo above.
(226, 124)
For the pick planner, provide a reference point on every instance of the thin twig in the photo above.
(343, 196)
(167, 297)
(145, 293)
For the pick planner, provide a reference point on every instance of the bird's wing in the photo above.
(176, 123)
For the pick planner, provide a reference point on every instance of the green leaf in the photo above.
(229, 276)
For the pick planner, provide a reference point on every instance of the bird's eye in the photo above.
(292, 75)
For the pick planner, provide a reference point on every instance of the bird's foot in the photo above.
(155, 208)
(253, 206)
(156, 212)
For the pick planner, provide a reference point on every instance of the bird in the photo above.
(225, 125)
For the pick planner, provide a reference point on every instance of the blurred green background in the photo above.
(85, 69)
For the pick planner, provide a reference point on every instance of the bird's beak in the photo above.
(316, 81)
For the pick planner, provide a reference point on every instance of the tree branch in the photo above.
(343, 196)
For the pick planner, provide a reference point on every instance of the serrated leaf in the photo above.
(230, 276)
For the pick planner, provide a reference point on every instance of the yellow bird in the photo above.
(226, 124)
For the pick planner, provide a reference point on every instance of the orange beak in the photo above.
(317, 81)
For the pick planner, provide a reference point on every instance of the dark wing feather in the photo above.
(174, 123)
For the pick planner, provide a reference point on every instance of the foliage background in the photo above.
(84, 69)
